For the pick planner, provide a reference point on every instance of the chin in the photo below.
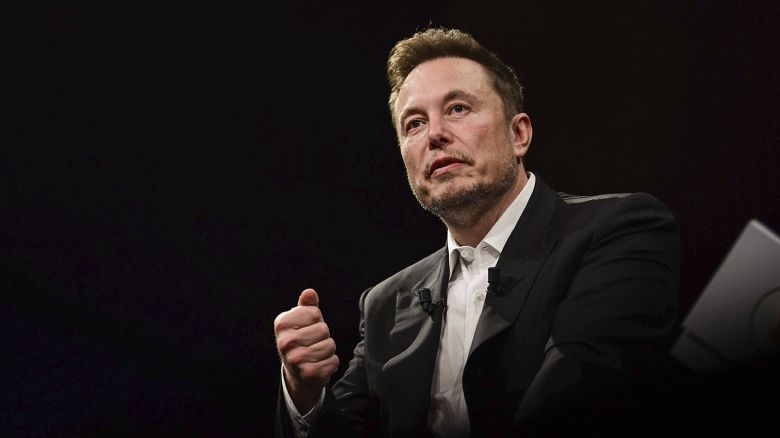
(453, 197)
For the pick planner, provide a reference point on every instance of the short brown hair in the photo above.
(434, 43)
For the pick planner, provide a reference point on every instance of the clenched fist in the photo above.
(306, 349)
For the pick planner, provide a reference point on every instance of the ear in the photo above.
(521, 134)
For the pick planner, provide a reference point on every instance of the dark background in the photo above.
(171, 176)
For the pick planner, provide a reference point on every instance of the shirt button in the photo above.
(479, 295)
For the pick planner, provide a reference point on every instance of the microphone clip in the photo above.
(494, 281)
(427, 304)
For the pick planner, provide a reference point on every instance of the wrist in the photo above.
(304, 395)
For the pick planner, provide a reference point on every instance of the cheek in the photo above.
(411, 163)
(475, 135)
(494, 141)
(488, 132)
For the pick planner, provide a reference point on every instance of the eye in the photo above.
(459, 108)
(413, 124)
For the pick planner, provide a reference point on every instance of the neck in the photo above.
(471, 232)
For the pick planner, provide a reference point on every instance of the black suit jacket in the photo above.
(588, 305)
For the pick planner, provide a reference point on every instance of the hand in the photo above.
(306, 349)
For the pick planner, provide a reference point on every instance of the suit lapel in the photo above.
(414, 342)
(414, 338)
(524, 254)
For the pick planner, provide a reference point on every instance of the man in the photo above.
(578, 311)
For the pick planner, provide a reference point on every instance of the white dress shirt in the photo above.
(466, 293)
(301, 423)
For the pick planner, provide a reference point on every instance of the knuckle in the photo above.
(329, 369)
(313, 313)
(322, 330)
(295, 358)
(285, 342)
(280, 323)
(284, 323)
(330, 346)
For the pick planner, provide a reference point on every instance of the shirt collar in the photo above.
(498, 235)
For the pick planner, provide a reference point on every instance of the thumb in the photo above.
(308, 298)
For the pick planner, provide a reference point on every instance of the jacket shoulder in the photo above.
(568, 198)
(609, 213)
(407, 277)
(613, 202)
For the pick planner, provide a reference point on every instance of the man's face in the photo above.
(457, 146)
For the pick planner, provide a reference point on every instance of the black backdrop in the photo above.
(173, 175)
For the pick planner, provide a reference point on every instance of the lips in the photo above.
(442, 163)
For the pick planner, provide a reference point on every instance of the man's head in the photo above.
(461, 139)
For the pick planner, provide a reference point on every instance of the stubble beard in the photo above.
(464, 207)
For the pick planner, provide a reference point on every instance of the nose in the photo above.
(438, 133)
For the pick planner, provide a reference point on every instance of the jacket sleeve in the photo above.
(348, 409)
(613, 326)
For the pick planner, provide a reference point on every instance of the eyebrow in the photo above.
(451, 95)
(458, 94)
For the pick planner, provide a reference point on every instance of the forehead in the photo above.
(433, 79)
